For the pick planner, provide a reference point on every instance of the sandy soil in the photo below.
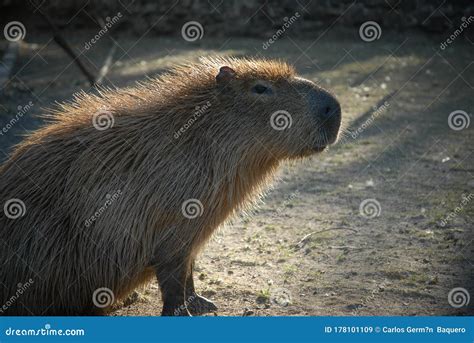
(308, 250)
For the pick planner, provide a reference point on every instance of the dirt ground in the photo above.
(308, 249)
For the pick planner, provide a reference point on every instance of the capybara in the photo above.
(127, 184)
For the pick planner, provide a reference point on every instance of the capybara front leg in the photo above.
(196, 304)
(172, 281)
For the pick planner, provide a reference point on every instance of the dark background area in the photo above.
(241, 18)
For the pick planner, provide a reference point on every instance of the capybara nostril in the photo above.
(325, 106)
(327, 111)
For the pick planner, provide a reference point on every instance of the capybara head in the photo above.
(265, 105)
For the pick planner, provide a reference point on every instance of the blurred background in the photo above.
(381, 224)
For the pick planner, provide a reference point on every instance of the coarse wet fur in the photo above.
(130, 184)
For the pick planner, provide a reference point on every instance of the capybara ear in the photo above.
(225, 75)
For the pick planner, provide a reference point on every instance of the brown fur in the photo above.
(64, 171)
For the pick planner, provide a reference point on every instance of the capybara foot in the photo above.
(200, 305)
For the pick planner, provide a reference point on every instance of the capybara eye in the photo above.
(261, 89)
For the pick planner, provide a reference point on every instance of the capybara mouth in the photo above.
(331, 129)
(326, 137)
